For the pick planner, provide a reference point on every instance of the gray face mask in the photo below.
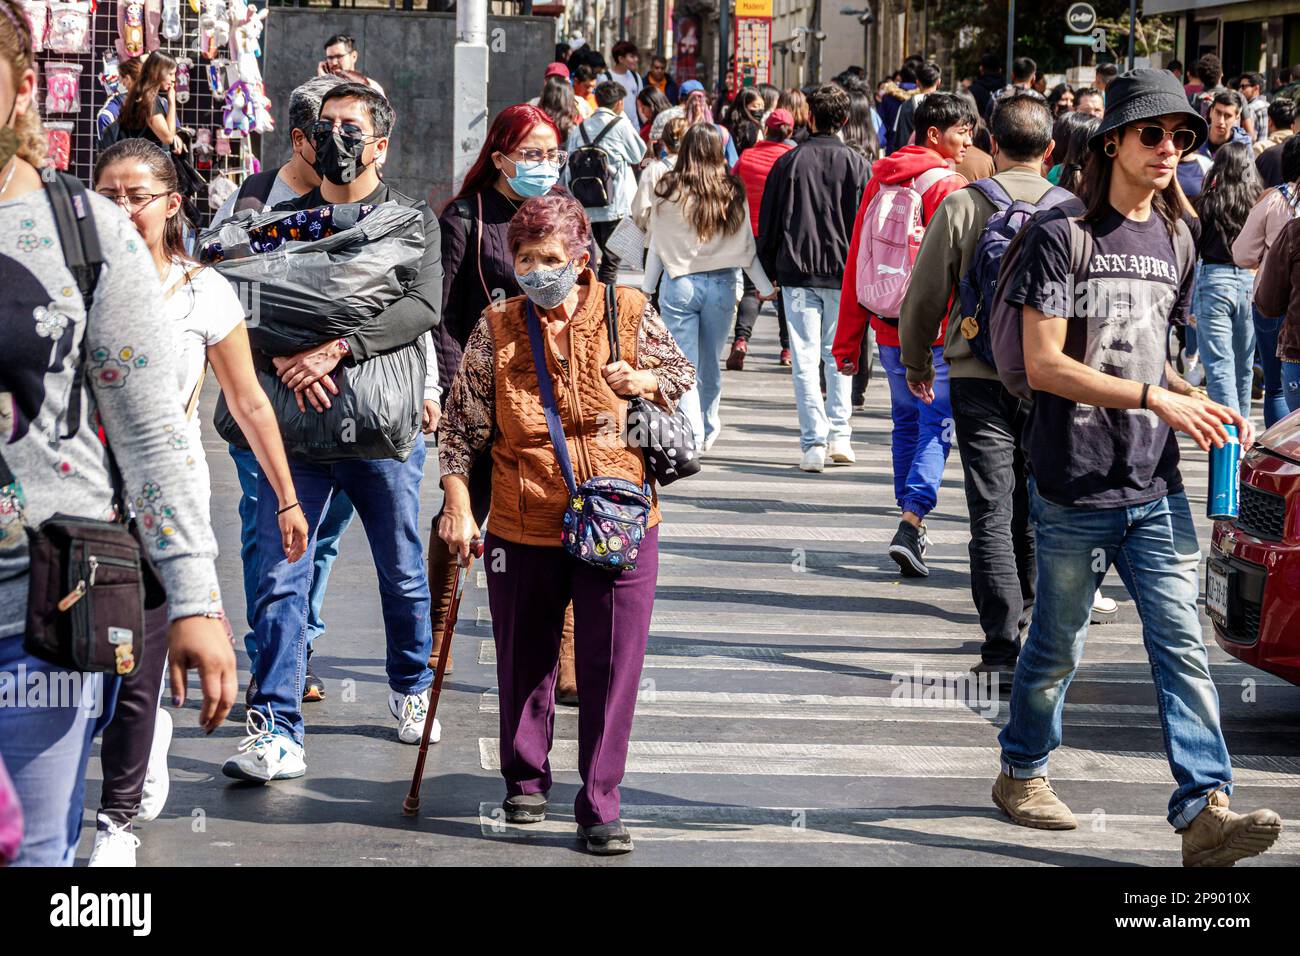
(547, 288)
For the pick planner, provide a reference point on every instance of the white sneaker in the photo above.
(410, 711)
(842, 452)
(708, 442)
(1104, 609)
(157, 784)
(1193, 370)
(264, 754)
(814, 459)
(115, 845)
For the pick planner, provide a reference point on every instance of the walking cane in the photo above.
(411, 805)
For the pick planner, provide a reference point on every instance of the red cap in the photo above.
(779, 117)
(556, 69)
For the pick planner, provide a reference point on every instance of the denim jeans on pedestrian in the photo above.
(1291, 385)
(1225, 332)
(386, 495)
(812, 315)
(922, 433)
(1266, 330)
(990, 424)
(698, 310)
(45, 744)
(1154, 548)
(336, 520)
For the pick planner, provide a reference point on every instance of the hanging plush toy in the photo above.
(133, 30)
(236, 118)
(203, 149)
(171, 19)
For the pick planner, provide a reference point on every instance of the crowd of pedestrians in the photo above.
(496, 325)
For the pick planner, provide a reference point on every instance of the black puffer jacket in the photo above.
(809, 205)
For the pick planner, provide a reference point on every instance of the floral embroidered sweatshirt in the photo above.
(130, 350)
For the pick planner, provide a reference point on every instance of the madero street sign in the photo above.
(1081, 17)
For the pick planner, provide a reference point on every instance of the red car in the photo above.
(1252, 581)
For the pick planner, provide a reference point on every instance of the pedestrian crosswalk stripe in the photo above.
(811, 759)
(723, 657)
(798, 534)
(986, 830)
(981, 710)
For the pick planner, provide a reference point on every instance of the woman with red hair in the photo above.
(520, 159)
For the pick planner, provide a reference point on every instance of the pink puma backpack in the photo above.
(891, 236)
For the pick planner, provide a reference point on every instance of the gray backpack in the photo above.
(1006, 331)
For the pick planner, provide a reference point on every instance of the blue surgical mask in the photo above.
(534, 179)
(547, 288)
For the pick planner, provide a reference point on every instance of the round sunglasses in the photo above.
(1152, 136)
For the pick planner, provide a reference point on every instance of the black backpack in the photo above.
(255, 190)
(591, 174)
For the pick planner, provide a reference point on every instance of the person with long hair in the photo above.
(1105, 485)
(859, 130)
(520, 159)
(1268, 217)
(698, 111)
(1070, 135)
(209, 318)
(67, 367)
(794, 101)
(149, 109)
(495, 409)
(649, 104)
(1061, 100)
(745, 119)
(700, 241)
(557, 102)
(1225, 333)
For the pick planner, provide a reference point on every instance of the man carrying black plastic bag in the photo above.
(349, 141)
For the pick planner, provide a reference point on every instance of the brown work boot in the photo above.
(442, 587)
(1219, 837)
(566, 684)
(1032, 803)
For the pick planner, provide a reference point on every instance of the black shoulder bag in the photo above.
(665, 438)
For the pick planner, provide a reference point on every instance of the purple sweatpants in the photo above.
(529, 587)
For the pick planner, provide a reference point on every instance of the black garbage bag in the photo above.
(305, 291)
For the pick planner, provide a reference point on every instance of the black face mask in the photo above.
(338, 157)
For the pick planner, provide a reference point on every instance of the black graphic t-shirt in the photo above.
(1119, 317)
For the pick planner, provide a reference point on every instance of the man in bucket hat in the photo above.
(1105, 486)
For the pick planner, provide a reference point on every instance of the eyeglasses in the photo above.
(1152, 136)
(133, 201)
(556, 157)
(349, 130)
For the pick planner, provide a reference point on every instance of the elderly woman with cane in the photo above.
(538, 390)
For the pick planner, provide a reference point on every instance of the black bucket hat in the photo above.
(1146, 94)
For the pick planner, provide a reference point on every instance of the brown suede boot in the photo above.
(1219, 837)
(1032, 803)
(442, 587)
(566, 684)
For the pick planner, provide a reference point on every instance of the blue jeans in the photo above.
(386, 495)
(698, 310)
(1266, 330)
(1154, 548)
(922, 433)
(336, 520)
(1225, 332)
(45, 745)
(812, 315)
(1291, 385)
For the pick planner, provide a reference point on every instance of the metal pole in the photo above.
(724, 44)
(816, 26)
(1132, 31)
(622, 19)
(1011, 35)
(470, 83)
(663, 31)
(925, 30)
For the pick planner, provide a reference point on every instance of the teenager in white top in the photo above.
(140, 177)
(700, 241)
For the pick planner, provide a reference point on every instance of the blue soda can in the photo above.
(1225, 464)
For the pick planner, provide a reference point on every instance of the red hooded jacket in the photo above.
(899, 166)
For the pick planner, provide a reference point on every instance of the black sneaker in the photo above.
(1003, 673)
(908, 550)
(607, 839)
(525, 808)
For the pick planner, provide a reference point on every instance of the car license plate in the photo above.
(1216, 594)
